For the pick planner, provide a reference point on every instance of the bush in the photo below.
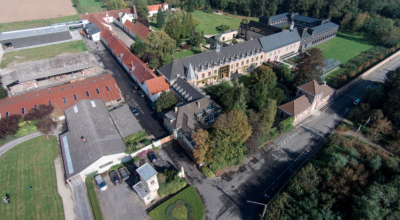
(142, 154)
(343, 127)
(9, 125)
(94, 203)
(207, 171)
(170, 183)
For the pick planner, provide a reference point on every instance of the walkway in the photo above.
(63, 191)
(7, 146)
(82, 206)
(365, 139)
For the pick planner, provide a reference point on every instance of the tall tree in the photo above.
(3, 92)
(307, 66)
(143, 20)
(196, 37)
(160, 43)
(138, 47)
(39, 112)
(154, 63)
(173, 29)
(160, 18)
(9, 125)
(165, 101)
(202, 140)
(262, 82)
(46, 125)
(141, 7)
(115, 4)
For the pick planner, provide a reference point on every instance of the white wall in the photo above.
(276, 54)
(152, 97)
(96, 37)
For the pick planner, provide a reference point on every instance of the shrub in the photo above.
(170, 183)
(142, 154)
(135, 159)
(207, 171)
(9, 126)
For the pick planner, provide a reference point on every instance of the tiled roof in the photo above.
(157, 85)
(92, 28)
(106, 34)
(279, 17)
(137, 28)
(314, 88)
(98, 20)
(281, 39)
(296, 106)
(14, 105)
(154, 7)
(117, 45)
(113, 13)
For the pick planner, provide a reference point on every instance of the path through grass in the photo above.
(30, 164)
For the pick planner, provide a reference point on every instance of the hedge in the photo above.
(94, 203)
(207, 171)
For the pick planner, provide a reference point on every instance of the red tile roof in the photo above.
(154, 7)
(106, 34)
(165, 3)
(113, 13)
(296, 106)
(99, 21)
(137, 28)
(14, 105)
(117, 45)
(157, 85)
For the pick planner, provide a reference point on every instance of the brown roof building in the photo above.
(311, 96)
(137, 28)
(113, 13)
(62, 97)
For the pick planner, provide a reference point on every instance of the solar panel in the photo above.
(68, 155)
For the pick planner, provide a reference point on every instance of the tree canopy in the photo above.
(115, 4)
(307, 64)
(160, 18)
(166, 101)
(139, 47)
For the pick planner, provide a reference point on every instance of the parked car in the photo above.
(153, 105)
(356, 101)
(152, 157)
(132, 168)
(114, 177)
(100, 182)
(134, 86)
(141, 93)
(134, 110)
(124, 173)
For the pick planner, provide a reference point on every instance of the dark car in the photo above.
(153, 105)
(141, 93)
(134, 110)
(114, 177)
(132, 168)
(152, 157)
(134, 86)
(124, 173)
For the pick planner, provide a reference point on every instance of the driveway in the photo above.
(267, 171)
(148, 118)
(121, 202)
(122, 35)
(81, 202)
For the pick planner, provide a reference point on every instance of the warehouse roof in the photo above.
(125, 122)
(32, 32)
(278, 40)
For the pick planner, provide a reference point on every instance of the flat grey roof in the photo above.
(53, 66)
(9, 35)
(92, 29)
(146, 171)
(326, 26)
(89, 119)
(125, 121)
(141, 189)
(281, 39)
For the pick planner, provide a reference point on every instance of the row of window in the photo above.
(324, 38)
(280, 21)
(64, 100)
(279, 51)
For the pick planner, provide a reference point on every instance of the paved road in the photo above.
(267, 171)
(148, 118)
(7, 146)
(81, 202)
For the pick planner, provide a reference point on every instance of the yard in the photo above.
(345, 46)
(30, 164)
(36, 23)
(177, 207)
(90, 6)
(44, 52)
(25, 128)
(187, 53)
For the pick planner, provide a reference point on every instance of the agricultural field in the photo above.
(31, 164)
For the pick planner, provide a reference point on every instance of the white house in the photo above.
(154, 87)
(148, 185)
(93, 32)
(153, 9)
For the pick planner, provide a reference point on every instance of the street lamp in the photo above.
(265, 207)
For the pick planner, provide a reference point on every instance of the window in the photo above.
(51, 103)
(87, 93)
(36, 106)
(64, 100)
(202, 75)
(23, 110)
(237, 64)
(290, 46)
(215, 72)
(252, 59)
(274, 53)
(223, 38)
(108, 89)
(247, 61)
(256, 58)
(287, 48)
(261, 57)
(209, 73)
(242, 63)
(270, 54)
(232, 66)
(98, 91)
(7, 114)
(279, 51)
(152, 182)
(75, 97)
(104, 165)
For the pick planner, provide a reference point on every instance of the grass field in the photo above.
(187, 53)
(345, 46)
(44, 52)
(189, 194)
(36, 23)
(90, 6)
(30, 164)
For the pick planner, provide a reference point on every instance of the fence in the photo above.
(157, 143)
(366, 74)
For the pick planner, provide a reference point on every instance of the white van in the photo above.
(100, 182)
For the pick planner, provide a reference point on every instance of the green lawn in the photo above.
(30, 164)
(189, 194)
(44, 52)
(90, 6)
(36, 23)
(345, 46)
(187, 53)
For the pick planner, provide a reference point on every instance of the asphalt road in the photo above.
(148, 118)
(267, 171)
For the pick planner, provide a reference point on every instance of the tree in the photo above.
(39, 112)
(46, 125)
(307, 66)
(160, 18)
(187, 25)
(141, 7)
(223, 28)
(160, 43)
(267, 115)
(392, 38)
(9, 125)
(138, 47)
(165, 101)
(115, 4)
(173, 29)
(359, 21)
(223, 4)
(374, 96)
(143, 20)
(3, 92)
(382, 126)
(196, 37)
(190, 6)
(262, 82)
(284, 74)
(202, 140)
(376, 163)
(153, 63)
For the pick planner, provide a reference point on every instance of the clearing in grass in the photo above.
(190, 195)
(31, 164)
(37, 23)
(346, 46)
(11, 58)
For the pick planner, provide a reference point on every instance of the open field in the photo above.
(25, 165)
(44, 52)
(90, 6)
(345, 46)
(190, 195)
(36, 23)
(187, 53)
(23, 10)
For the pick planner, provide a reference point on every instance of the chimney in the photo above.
(323, 83)
(198, 104)
(83, 139)
(176, 109)
(291, 26)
